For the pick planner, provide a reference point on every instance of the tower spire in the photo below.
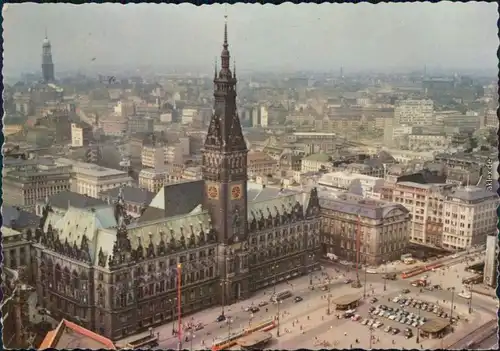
(215, 67)
(225, 51)
(46, 37)
(225, 31)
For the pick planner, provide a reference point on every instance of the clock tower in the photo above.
(225, 158)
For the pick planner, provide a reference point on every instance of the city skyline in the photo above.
(323, 37)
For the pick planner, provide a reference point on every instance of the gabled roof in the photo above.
(175, 199)
(65, 199)
(76, 223)
(131, 194)
(69, 335)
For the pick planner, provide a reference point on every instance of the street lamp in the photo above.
(470, 299)
(191, 341)
(223, 286)
(172, 304)
(451, 307)
(278, 326)
(329, 299)
(418, 327)
(364, 287)
(274, 273)
(385, 275)
(371, 331)
(229, 321)
(311, 256)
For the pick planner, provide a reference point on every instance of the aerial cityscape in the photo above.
(232, 177)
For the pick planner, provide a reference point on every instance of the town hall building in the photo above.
(118, 276)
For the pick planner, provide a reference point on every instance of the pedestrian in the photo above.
(351, 346)
(345, 333)
(322, 318)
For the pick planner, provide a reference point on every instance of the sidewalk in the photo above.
(483, 290)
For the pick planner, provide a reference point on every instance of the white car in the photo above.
(395, 300)
(370, 322)
(392, 317)
(465, 295)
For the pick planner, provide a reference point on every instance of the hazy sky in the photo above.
(361, 36)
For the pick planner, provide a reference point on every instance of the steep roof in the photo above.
(275, 201)
(175, 199)
(131, 194)
(16, 218)
(77, 222)
(65, 199)
(69, 335)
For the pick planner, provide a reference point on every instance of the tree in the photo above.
(486, 137)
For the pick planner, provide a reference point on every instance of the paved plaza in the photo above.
(306, 323)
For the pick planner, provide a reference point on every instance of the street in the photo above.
(305, 323)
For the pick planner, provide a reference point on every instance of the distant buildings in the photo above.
(90, 179)
(81, 134)
(260, 164)
(414, 113)
(316, 162)
(25, 187)
(47, 64)
(366, 185)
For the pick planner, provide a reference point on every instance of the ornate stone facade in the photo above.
(119, 277)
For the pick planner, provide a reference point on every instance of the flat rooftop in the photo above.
(255, 338)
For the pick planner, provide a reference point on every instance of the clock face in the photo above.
(236, 192)
(213, 192)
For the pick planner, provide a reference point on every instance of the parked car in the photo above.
(254, 309)
(371, 309)
(395, 331)
(199, 326)
(414, 324)
(370, 322)
(387, 314)
(381, 314)
(408, 333)
(348, 281)
(392, 317)
(364, 321)
(298, 299)
(388, 329)
(373, 300)
(405, 291)
(263, 303)
(221, 318)
(356, 317)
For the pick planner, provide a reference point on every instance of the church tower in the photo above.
(47, 64)
(225, 158)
